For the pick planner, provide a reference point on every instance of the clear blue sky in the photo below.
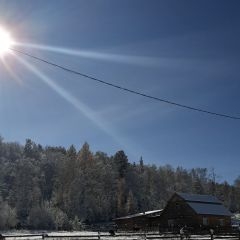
(184, 51)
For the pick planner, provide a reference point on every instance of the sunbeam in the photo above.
(10, 71)
(97, 55)
(85, 110)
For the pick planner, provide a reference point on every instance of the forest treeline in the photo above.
(58, 188)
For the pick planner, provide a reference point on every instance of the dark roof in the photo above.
(209, 209)
(205, 204)
(199, 198)
(140, 214)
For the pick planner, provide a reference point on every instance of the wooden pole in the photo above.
(2, 237)
(44, 235)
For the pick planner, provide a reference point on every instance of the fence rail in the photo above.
(125, 236)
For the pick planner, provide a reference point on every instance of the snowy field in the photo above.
(81, 235)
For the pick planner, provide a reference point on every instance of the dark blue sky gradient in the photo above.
(184, 51)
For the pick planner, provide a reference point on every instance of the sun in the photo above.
(5, 41)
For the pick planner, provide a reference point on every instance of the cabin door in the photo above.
(171, 223)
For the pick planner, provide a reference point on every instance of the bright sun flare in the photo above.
(5, 41)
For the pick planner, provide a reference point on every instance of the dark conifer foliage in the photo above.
(57, 188)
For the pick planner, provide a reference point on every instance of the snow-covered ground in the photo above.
(64, 235)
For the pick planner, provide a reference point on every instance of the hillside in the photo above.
(57, 188)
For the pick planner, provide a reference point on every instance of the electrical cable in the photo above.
(124, 88)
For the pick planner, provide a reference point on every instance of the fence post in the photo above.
(99, 235)
(145, 235)
(211, 233)
(181, 233)
(44, 235)
(2, 237)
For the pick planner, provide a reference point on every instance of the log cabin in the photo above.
(196, 211)
(192, 210)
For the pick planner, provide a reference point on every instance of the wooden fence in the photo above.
(122, 236)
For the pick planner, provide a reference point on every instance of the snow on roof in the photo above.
(140, 214)
(153, 211)
(199, 198)
(209, 209)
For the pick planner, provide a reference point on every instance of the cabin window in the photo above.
(177, 206)
(205, 221)
(221, 222)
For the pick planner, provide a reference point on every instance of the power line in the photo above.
(125, 89)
